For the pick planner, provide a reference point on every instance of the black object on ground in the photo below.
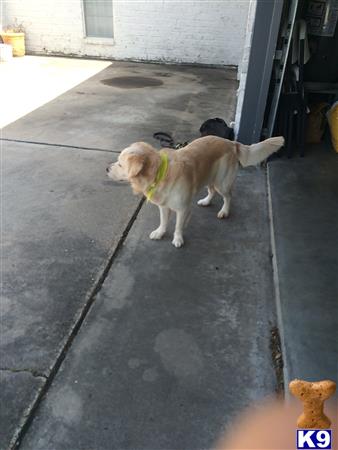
(166, 140)
(214, 127)
(217, 127)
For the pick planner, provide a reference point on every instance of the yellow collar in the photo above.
(161, 173)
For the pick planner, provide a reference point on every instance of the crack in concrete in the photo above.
(94, 149)
(33, 372)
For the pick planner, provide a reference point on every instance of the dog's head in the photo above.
(136, 164)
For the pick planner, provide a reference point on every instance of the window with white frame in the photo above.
(98, 16)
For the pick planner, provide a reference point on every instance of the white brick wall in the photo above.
(194, 31)
(243, 66)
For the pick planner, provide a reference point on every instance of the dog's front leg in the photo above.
(182, 216)
(164, 217)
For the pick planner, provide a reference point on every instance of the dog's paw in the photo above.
(204, 202)
(178, 241)
(222, 214)
(157, 234)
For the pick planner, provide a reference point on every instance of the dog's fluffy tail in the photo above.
(250, 155)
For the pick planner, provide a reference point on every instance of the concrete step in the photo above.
(304, 197)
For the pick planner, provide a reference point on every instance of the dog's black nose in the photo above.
(107, 169)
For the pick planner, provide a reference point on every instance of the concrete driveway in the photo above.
(110, 340)
(31, 81)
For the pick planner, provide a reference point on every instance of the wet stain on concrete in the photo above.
(150, 374)
(134, 363)
(124, 287)
(164, 74)
(68, 400)
(132, 82)
(179, 353)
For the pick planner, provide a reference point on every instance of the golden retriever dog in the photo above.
(170, 179)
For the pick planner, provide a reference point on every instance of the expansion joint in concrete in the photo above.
(33, 372)
(277, 359)
(93, 149)
(277, 333)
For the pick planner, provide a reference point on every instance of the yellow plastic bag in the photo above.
(332, 117)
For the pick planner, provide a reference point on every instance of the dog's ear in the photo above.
(135, 164)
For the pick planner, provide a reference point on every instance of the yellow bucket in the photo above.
(16, 40)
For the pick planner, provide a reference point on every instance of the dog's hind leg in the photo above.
(207, 200)
(223, 213)
(164, 217)
(223, 187)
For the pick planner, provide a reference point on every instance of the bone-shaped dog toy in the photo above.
(313, 395)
